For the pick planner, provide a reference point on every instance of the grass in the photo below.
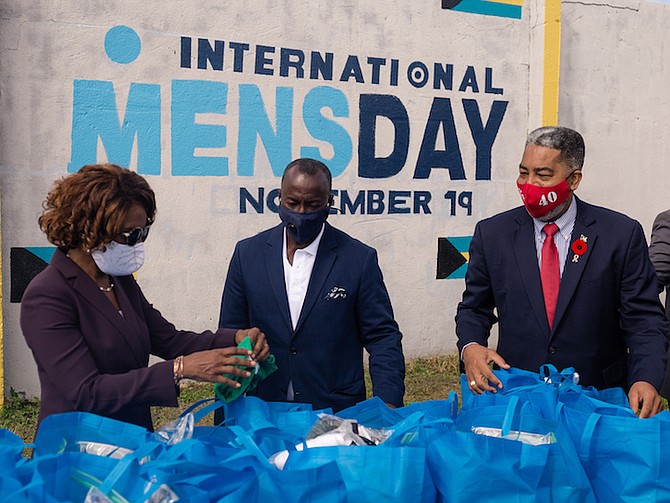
(430, 378)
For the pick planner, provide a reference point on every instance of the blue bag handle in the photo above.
(513, 408)
(586, 441)
(549, 372)
(407, 425)
(176, 450)
(34, 485)
(243, 439)
(195, 405)
(124, 464)
(204, 411)
(413, 424)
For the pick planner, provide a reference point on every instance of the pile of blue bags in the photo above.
(541, 438)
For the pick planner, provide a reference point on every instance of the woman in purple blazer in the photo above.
(90, 328)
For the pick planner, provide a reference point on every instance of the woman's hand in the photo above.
(261, 349)
(210, 365)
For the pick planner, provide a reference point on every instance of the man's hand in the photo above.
(476, 359)
(261, 350)
(644, 398)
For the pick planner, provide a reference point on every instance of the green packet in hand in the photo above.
(261, 371)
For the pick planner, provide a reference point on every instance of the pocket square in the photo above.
(337, 292)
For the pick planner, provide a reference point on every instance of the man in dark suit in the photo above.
(659, 253)
(571, 283)
(319, 296)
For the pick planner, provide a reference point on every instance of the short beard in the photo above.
(557, 211)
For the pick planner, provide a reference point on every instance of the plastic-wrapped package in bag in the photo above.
(329, 423)
(331, 430)
(519, 436)
(177, 430)
(161, 495)
(95, 495)
(105, 450)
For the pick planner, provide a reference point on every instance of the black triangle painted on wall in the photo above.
(24, 266)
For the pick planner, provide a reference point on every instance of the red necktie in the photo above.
(550, 272)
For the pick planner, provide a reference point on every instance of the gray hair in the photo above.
(568, 141)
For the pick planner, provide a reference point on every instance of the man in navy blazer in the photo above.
(319, 297)
(607, 321)
(659, 253)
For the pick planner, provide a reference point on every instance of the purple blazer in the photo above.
(92, 358)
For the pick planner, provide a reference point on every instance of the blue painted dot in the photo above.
(122, 45)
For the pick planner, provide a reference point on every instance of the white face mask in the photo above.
(119, 259)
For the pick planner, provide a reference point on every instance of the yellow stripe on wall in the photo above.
(2, 332)
(509, 2)
(552, 62)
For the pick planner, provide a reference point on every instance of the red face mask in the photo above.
(541, 200)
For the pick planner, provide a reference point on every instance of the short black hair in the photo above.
(568, 141)
(310, 167)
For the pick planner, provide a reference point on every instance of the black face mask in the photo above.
(304, 227)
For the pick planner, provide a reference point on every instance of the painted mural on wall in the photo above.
(96, 116)
(420, 119)
(502, 8)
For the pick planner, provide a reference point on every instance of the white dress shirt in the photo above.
(296, 276)
(296, 280)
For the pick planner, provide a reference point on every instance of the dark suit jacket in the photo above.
(659, 253)
(91, 358)
(324, 354)
(607, 304)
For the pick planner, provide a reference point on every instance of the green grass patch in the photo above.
(19, 415)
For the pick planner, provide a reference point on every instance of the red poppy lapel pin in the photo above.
(579, 247)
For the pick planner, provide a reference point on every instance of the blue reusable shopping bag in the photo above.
(12, 480)
(467, 466)
(373, 473)
(68, 476)
(253, 431)
(626, 458)
(433, 408)
(11, 450)
(274, 426)
(76, 431)
(76, 451)
(315, 483)
(254, 414)
(541, 390)
(198, 470)
(374, 413)
(526, 386)
(14, 490)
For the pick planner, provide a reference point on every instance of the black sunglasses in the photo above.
(136, 235)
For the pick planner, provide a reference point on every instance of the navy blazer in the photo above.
(607, 304)
(346, 309)
(659, 253)
(90, 357)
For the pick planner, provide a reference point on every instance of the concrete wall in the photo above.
(129, 83)
(614, 88)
